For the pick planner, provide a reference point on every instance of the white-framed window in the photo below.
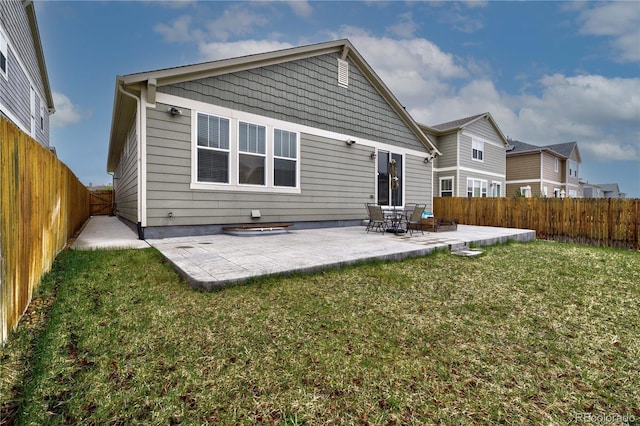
(477, 148)
(556, 165)
(476, 187)
(556, 192)
(285, 158)
(496, 189)
(573, 193)
(42, 117)
(235, 154)
(34, 99)
(446, 187)
(252, 153)
(573, 168)
(525, 191)
(545, 192)
(213, 154)
(4, 55)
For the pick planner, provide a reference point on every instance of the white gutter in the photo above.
(139, 156)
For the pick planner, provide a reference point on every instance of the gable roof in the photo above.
(124, 106)
(562, 150)
(461, 123)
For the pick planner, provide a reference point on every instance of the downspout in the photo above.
(139, 154)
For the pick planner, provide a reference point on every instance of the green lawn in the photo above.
(525, 334)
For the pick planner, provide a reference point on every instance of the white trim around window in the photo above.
(243, 155)
(447, 186)
(4, 55)
(477, 150)
(476, 187)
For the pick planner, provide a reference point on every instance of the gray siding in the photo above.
(483, 129)
(448, 146)
(126, 179)
(418, 181)
(494, 159)
(335, 180)
(15, 92)
(305, 92)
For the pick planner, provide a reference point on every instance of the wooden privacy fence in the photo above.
(608, 222)
(42, 204)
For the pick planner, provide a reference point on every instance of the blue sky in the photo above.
(548, 72)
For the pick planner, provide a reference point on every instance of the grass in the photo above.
(528, 333)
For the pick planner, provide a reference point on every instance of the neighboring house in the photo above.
(473, 160)
(25, 94)
(543, 171)
(589, 190)
(303, 135)
(602, 190)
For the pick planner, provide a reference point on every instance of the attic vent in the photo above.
(343, 73)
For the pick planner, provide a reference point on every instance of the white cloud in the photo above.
(236, 20)
(301, 8)
(405, 27)
(66, 112)
(179, 31)
(221, 50)
(618, 20)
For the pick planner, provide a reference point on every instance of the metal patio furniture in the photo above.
(414, 219)
(377, 221)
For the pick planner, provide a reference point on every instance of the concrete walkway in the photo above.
(214, 261)
(107, 232)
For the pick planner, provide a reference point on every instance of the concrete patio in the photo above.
(214, 261)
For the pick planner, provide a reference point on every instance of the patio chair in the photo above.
(414, 219)
(377, 221)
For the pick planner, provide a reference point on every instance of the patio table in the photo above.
(395, 217)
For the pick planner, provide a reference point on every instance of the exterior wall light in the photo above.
(350, 142)
(373, 155)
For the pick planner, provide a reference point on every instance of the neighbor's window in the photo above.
(573, 168)
(252, 145)
(446, 187)
(478, 149)
(476, 188)
(4, 53)
(556, 165)
(213, 149)
(285, 154)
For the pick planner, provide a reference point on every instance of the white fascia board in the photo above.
(180, 102)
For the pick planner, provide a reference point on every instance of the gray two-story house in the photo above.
(25, 94)
(473, 162)
(305, 135)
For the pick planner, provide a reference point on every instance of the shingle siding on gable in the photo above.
(305, 92)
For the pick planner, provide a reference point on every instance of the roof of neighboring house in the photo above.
(461, 123)
(124, 106)
(609, 187)
(563, 150)
(37, 44)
